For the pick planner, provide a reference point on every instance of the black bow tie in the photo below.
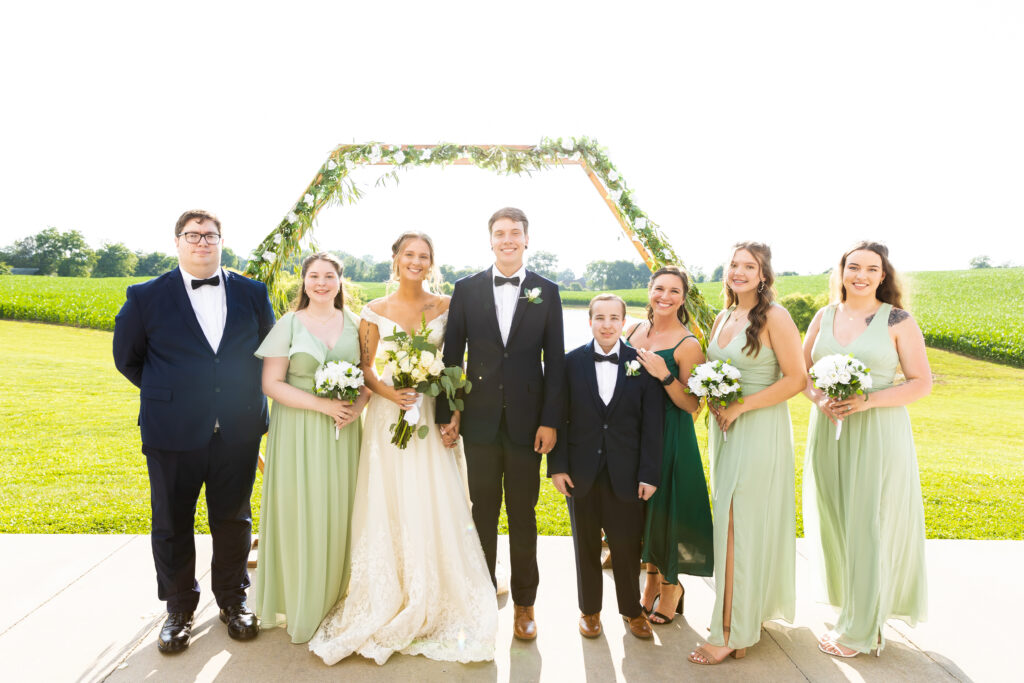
(611, 358)
(215, 280)
(499, 280)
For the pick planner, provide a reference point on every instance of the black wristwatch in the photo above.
(668, 380)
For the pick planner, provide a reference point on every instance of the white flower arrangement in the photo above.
(308, 199)
(532, 296)
(413, 361)
(640, 223)
(292, 217)
(612, 176)
(331, 165)
(426, 154)
(399, 157)
(718, 382)
(338, 379)
(375, 155)
(615, 195)
(841, 377)
(632, 368)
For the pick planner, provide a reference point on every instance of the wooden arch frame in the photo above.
(332, 185)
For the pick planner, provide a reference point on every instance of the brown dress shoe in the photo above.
(639, 626)
(524, 627)
(590, 625)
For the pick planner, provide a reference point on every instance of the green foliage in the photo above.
(81, 302)
(981, 262)
(4, 269)
(87, 475)
(115, 260)
(802, 307)
(53, 252)
(154, 263)
(545, 264)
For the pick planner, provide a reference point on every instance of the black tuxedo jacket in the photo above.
(186, 386)
(510, 376)
(626, 435)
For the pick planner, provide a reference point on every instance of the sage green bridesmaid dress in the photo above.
(863, 515)
(308, 483)
(753, 472)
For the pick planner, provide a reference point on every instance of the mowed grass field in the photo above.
(976, 312)
(70, 459)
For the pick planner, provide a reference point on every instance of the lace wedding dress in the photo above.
(419, 583)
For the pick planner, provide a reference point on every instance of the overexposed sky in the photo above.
(804, 124)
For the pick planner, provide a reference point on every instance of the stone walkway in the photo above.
(83, 608)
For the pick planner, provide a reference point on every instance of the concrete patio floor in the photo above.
(84, 608)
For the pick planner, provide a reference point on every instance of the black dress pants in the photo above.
(505, 465)
(623, 523)
(175, 480)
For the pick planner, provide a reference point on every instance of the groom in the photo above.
(511, 320)
(186, 339)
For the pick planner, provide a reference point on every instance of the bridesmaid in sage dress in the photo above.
(677, 527)
(752, 471)
(863, 514)
(310, 472)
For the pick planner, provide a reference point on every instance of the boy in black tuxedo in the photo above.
(607, 462)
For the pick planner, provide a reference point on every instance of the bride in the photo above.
(419, 581)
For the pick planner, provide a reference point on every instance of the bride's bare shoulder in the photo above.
(378, 306)
(443, 302)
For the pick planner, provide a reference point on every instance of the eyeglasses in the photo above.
(197, 237)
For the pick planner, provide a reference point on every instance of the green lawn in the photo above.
(70, 460)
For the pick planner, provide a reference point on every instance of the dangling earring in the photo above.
(761, 287)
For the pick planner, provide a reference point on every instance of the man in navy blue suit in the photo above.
(186, 339)
(607, 462)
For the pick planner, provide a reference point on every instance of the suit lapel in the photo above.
(188, 314)
(620, 379)
(590, 371)
(486, 293)
(521, 304)
(234, 310)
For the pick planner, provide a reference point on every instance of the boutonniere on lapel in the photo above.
(532, 296)
(632, 368)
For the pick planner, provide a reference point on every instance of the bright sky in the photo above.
(807, 125)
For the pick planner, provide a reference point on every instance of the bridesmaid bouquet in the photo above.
(413, 361)
(338, 379)
(840, 377)
(718, 382)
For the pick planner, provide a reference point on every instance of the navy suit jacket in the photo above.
(509, 376)
(626, 435)
(186, 386)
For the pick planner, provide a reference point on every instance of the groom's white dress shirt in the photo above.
(210, 302)
(607, 373)
(505, 299)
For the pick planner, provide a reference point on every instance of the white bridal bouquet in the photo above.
(840, 377)
(412, 361)
(718, 382)
(338, 379)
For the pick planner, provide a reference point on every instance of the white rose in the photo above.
(399, 157)
(419, 374)
(308, 199)
(612, 176)
(269, 257)
(865, 381)
(844, 376)
(716, 392)
(426, 358)
(615, 195)
(695, 385)
(405, 364)
(426, 155)
(292, 217)
(568, 145)
(437, 367)
(331, 165)
(640, 223)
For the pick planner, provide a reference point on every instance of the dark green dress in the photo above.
(677, 531)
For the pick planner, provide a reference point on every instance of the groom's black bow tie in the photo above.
(499, 280)
(611, 358)
(215, 280)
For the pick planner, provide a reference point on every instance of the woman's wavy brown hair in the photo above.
(681, 313)
(758, 316)
(889, 290)
(339, 268)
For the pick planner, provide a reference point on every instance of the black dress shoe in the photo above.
(176, 632)
(242, 623)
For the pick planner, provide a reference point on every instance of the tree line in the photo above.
(67, 254)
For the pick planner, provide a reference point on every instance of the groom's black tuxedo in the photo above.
(507, 378)
(607, 451)
(517, 387)
(202, 413)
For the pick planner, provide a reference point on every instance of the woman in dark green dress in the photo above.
(677, 537)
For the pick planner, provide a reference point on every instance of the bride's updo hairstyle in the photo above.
(433, 279)
(758, 316)
(682, 313)
(339, 268)
(889, 290)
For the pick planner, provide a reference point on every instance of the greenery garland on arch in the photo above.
(333, 186)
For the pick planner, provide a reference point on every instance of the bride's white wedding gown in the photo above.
(419, 582)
